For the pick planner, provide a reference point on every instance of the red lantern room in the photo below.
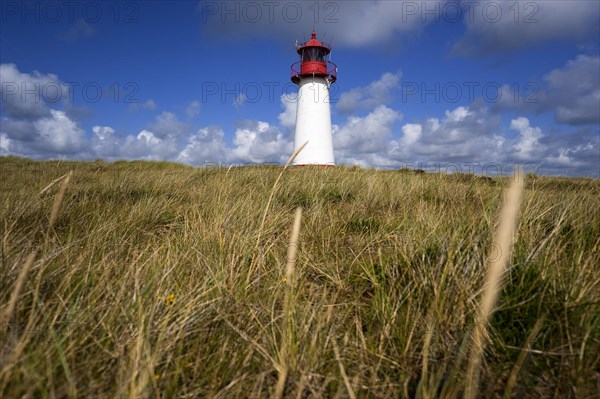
(313, 61)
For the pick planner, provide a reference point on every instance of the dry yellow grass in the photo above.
(149, 283)
(288, 308)
(495, 269)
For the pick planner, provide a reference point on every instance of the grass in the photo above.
(160, 280)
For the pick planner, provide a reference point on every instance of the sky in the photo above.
(457, 86)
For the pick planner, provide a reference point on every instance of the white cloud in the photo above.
(148, 104)
(26, 95)
(254, 142)
(105, 142)
(4, 144)
(473, 139)
(374, 94)
(103, 132)
(458, 114)
(528, 145)
(571, 93)
(31, 128)
(167, 125)
(193, 109)
(574, 158)
(164, 143)
(289, 103)
(411, 134)
(346, 23)
(148, 138)
(239, 100)
(464, 134)
(79, 30)
(150, 146)
(491, 25)
(51, 136)
(504, 25)
(207, 145)
(575, 91)
(368, 134)
(59, 134)
(572, 152)
(562, 159)
(257, 142)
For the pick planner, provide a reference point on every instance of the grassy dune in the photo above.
(157, 280)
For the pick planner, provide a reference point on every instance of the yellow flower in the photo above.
(170, 299)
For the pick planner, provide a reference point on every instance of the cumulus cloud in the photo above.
(463, 135)
(4, 144)
(59, 134)
(19, 130)
(464, 138)
(109, 145)
(207, 145)
(26, 95)
(147, 145)
(571, 93)
(473, 139)
(506, 25)
(168, 125)
(257, 142)
(253, 142)
(411, 133)
(368, 134)
(575, 153)
(105, 142)
(289, 103)
(31, 128)
(575, 91)
(528, 145)
(374, 94)
(54, 135)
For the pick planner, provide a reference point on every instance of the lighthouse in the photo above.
(313, 74)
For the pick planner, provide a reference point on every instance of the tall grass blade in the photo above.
(492, 284)
(273, 190)
(288, 307)
(8, 312)
(59, 199)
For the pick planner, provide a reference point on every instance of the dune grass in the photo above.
(160, 280)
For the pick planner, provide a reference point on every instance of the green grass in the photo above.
(387, 260)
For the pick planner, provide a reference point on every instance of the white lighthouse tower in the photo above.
(313, 74)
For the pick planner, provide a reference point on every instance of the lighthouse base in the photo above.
(313, 123)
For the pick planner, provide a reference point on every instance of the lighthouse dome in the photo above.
(314, 42)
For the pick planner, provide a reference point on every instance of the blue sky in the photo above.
(457, 85)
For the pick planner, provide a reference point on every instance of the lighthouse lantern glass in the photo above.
(313, 54)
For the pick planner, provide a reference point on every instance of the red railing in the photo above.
(308, 68)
